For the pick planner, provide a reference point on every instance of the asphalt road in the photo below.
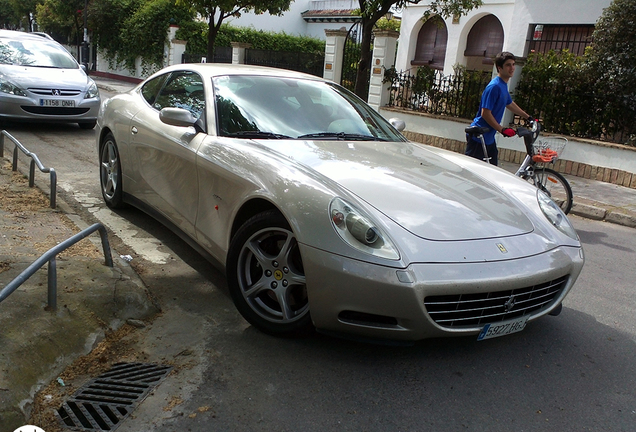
(576, 371)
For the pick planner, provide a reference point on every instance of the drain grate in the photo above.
(103, 403)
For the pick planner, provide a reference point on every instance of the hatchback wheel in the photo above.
(266, 277)
(110, 173)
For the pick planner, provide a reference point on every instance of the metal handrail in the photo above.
(50, 256)
(34, 161)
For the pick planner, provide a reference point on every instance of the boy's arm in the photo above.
(486, 114)
(517, 110)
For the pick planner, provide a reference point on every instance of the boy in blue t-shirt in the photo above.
(494, 100)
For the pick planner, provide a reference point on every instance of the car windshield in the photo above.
(35, 53)
(278, 108)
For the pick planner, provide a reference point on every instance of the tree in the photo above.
(215, 11)
(613, 62)
(9, 18)
(125, 30)
(372, 10)
(62, 19)
(26, 9)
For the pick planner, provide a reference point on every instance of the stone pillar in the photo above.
(175, 47)
(334, 53)
(238, 51)
(384, 47)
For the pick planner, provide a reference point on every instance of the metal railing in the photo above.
(311, 63)
(50, 257)
(430, 91)
(34, 161)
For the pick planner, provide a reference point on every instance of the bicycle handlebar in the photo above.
(530, 135)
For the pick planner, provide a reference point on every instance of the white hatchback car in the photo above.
(40, 81)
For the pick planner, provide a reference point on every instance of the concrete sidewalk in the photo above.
(93, 300)
(598, 200)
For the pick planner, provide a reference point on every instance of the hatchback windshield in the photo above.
(35, 53)
(276, 107)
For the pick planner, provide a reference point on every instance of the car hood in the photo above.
(417, 188)
(29, 77)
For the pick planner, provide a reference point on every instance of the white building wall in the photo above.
(515, 17)
(291, 22)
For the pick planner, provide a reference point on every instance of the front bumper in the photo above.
(24, 109)
(370, 301)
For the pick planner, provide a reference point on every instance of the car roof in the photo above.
(220, 69)
(12, 34)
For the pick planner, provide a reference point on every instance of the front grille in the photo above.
(475, 310)
(54, 110)
(49, 92)
(103, 403)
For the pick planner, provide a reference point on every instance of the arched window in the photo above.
(485, 39)
(431, 44)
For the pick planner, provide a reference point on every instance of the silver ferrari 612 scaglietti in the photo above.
(324, 216)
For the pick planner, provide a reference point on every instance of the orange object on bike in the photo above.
(545, 156)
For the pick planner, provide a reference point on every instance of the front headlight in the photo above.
(92, 91)
(555, 215)
(8, 87)
(357, 230)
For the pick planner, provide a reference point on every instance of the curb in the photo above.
(602, 214)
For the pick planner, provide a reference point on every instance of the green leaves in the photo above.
(593, 96)
(127, 29)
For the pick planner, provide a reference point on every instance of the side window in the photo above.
(183, 89)
(151, 88)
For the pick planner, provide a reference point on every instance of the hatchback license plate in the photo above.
(64, 103)
(502, 328)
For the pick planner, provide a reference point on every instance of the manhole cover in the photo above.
(103, 403)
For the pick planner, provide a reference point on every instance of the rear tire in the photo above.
(266, 277)
(556, 186)
(110, 177)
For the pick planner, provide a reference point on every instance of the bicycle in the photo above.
(539, 153)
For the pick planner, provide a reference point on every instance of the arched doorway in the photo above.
(485, 41)
(430, 49)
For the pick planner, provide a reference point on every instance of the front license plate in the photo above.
(502, 328)
(64, 103)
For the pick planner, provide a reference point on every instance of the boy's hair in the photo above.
(503, 57)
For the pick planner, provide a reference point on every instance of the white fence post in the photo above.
(334, 53)
(238, 52)
(174, 48)
(384, 49)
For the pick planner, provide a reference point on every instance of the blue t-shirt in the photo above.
(495, 98)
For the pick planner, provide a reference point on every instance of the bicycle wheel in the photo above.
(556, 186)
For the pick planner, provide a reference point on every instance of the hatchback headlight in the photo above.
(358, 230)
(8, 87)
(92, 91)
(555, 215)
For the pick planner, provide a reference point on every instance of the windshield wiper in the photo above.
(342, 136)
(257, 135)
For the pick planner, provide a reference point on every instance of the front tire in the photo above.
(110, 173)
(266, 278)
(556, 186)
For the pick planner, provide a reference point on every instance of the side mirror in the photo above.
(397, 123)
(177, 117)
(181, 117)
